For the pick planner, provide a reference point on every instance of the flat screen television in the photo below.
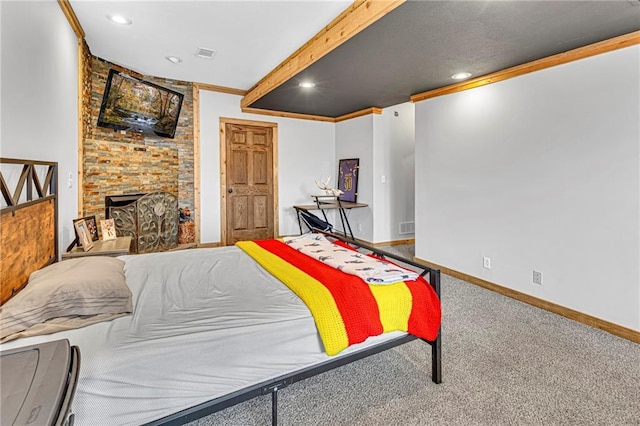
(135, 105)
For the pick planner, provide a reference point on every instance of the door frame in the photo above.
(223, 171)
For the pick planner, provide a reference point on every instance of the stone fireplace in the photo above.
(131, 163)
(150, 219)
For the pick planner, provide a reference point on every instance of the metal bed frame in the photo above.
(47, 192)
(273, 386)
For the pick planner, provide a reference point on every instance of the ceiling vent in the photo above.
(205, 53)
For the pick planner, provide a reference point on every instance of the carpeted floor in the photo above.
(504, 363)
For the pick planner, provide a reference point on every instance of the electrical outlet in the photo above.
(359, 227)
(537, 277)
(486, 262)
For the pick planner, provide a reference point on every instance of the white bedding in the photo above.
(206, 322)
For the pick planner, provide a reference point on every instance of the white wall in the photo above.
(306, 152)
(385, 145)
(539, 172)
(354, 139)
(394, 152)
(39, 86)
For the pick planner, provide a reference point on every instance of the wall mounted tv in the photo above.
(135, 105)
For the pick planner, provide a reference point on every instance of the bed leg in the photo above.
(436, 347)
(436, 359)
(274, 407)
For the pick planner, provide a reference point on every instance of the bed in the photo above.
(210, 328)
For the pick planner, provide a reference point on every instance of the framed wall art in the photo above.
(348, 179)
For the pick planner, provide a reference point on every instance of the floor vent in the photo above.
(407, 228)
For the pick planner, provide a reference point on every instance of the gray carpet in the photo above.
(504, 363)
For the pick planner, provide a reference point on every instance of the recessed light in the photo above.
(307, 84)
(173, 59)
(119, 19)
(461, 75)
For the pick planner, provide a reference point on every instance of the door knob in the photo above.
(230, 190)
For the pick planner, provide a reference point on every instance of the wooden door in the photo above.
(248, 188)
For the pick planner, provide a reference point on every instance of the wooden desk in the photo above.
(328, 206)
(324, 202)
(113, 248)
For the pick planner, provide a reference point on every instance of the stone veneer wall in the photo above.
(125, 162)
(111, 166)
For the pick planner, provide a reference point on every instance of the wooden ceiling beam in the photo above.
(354, 19)
(288, 114)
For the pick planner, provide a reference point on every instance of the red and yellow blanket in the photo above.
(347, 310)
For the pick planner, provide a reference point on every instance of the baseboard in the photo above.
(609, 327)
(386, 243)
(394, 243)
(209, 245)
(183, 247)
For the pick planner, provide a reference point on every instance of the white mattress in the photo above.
(206, 322)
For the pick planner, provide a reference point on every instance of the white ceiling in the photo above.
(412, 49)
(250, 38)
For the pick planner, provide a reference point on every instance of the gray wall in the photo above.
(39, 96)
(539, 172)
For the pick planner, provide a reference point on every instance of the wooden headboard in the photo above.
(28, 221)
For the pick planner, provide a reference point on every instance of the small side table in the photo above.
(118, 247)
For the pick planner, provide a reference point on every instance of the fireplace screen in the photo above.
(151, 220)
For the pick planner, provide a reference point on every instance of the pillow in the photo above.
(76, 291)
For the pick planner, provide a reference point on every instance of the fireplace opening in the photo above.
(118, 201)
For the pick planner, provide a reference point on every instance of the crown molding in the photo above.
(221, 89)
(72, 18)
(366, 111)
(537, 65)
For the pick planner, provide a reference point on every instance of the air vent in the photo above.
(407, 227)
(205, 53)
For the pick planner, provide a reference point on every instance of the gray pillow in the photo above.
(68, 294)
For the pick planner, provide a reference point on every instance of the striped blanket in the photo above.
(347, 310)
